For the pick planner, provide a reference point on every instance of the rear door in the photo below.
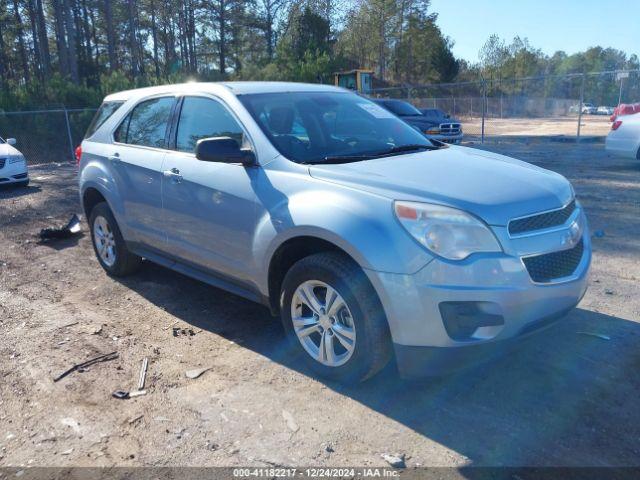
(209, 208)
(138, 152)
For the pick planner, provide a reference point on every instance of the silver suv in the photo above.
(367, 238)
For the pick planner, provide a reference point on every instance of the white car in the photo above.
(589, 109)
(624, 137)
(602, 110)
(13, 167)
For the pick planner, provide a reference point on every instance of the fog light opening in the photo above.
(466, 321)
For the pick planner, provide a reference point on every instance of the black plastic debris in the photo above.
(81, 367)
(74, 227)
(186, 332)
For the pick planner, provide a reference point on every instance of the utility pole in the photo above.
(580, 108)
(484, 106)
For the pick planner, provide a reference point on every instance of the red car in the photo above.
(625, 109)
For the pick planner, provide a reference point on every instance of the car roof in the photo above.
(237, 88)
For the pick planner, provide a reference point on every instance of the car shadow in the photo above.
(14, 191)
(554, 399)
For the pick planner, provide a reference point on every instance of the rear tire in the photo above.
(108, 244)
(357, 332)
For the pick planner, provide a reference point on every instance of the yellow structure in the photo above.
(358, 80)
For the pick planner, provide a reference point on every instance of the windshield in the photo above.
(401, 108)
(321, 127)
(433, 112)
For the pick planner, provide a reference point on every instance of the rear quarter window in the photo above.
(106, 110)
(147, 124)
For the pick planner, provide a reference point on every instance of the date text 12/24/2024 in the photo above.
(319, 472)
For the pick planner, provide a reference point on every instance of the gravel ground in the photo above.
(560, 398)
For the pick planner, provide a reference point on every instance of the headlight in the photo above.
(16, 159)
(445, 231)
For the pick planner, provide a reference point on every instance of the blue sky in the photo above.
(569, 25)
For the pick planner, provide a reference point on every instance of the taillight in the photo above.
(615, 125)
(78, 154)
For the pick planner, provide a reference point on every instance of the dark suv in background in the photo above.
(432, 122)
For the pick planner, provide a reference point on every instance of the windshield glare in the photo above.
(1, 140)
(311, 127)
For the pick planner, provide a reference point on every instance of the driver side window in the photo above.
(202, 117)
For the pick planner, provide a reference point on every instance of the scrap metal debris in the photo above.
(124, 395)
(396, 461)
(196, 372)
(143, 373)
(73, 227)
(183, 331)
(81, 367)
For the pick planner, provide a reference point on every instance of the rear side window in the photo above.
(102, 115)
(147, 123)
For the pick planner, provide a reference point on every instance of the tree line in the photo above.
(63, 51)
(73, 52)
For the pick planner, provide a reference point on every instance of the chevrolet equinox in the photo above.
(369, 240)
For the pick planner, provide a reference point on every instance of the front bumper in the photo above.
(13, 172)
(619, 143)
(499, 284)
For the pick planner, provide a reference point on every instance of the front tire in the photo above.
(108, 244)
(334, 319)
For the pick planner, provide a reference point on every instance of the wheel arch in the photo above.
(288, 253)
(90, 198)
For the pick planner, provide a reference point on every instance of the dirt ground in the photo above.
(560, 398)
(590, 126)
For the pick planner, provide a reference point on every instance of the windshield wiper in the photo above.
(335, 159)
(344, 159)
(409, 148)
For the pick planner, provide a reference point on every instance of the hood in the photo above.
(7, 150)
(433, 117)
(420, 121)
(493, 187)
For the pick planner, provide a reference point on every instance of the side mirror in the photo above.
(224, 150)
(11, 141)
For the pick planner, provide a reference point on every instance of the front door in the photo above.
(209, 208)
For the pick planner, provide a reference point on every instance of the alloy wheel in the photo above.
(323, 323)
(104, 240)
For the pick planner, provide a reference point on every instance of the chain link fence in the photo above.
(567, 106)
(46, 136)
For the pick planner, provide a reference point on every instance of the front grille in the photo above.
(552, 266)
(20, 176)
(449, 128)
(542, 220)
(2, 162)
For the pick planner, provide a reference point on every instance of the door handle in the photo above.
(173, 174)
(115, 158)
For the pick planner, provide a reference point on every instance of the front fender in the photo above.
(361, 224)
